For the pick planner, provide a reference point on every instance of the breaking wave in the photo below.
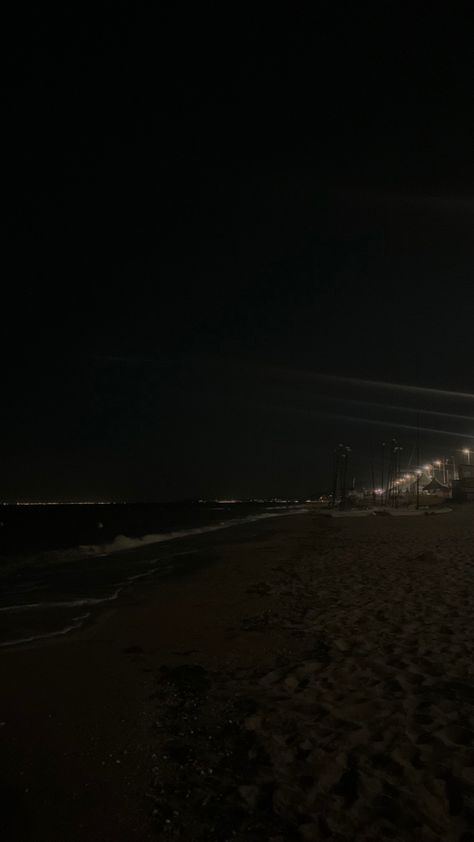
(119, 544)
(76, 623)
(124, 542)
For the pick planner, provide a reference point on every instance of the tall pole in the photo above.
(344, 476)
(343, 479)
(383, 471)
(397, 474)
(418, 460)
(372, 471)
(387, 493)
(391, 474)
(335, 476)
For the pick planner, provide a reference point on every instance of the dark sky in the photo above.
(205, 211)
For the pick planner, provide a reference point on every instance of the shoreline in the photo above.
(322, 670)
(139, 551)
(98, 666)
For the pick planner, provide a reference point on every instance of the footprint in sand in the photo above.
(457, 734)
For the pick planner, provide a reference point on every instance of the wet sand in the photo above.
(312, 679)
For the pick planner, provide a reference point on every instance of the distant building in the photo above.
(463, 488)
(436, 487)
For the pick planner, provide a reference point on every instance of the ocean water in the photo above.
(60, 564)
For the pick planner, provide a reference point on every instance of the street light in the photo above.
(468, 454)
(418, 475)
(441, 465)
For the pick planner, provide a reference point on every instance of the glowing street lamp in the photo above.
(440, 464)
(468, 454)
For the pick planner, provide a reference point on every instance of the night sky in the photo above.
(204, 213)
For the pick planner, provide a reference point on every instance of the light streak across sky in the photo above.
(357, 419)
(375, 384)
(398, 408)
(377, 422)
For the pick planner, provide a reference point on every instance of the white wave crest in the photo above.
(76, 623)
(124, 542)
(31, 606)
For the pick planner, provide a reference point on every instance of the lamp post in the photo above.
(345, 459)
(341, 456)
(383, 471)
(453, 468)
(441, 465)
(468, 454)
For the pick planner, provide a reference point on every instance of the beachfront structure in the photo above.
(463, 488)
(436, 487)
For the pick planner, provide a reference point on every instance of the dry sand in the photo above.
(315, 680)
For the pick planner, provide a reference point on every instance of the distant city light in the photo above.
(63, 503)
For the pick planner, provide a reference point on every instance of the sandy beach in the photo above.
(309, 679)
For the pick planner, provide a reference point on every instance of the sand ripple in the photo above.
(362, 727)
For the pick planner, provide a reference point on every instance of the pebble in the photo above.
(249, 794)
